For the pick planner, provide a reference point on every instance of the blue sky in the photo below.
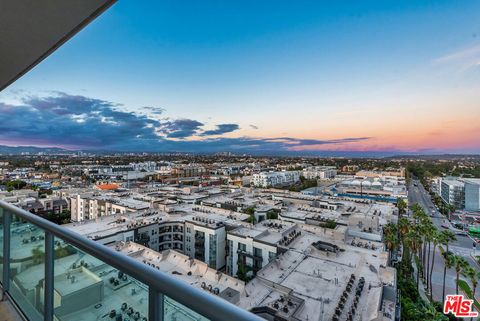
(343, 75)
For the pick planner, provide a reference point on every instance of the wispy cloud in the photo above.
(464, 59)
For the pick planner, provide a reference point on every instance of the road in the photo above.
(463, 246)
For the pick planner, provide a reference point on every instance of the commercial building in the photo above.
(452, 192)
(472, 194)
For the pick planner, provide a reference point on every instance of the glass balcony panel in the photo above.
(27, 267)
(86, 288)
(177, 311)
(1, 245)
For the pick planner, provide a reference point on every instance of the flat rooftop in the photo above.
(318, 279)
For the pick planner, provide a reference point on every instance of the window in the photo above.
(271, 256)
(242, 247)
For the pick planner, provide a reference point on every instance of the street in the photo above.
(463, 246)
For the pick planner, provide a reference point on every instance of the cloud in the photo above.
(253, 126)
(181, 128)
(79, 122)
(221, 129)
(464, 59)
(154, 110)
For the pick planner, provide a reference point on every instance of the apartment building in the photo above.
(205, 240)
(274, 179)
(320, 172)
(189, 171)
(90, 206)
(249, 249)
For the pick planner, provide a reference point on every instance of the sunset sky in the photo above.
(207, 76)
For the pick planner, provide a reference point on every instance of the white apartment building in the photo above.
(254, 247)
(145, 166)
(89, 207)
(272, 179)
(244, 249)
(320, 172)
(205, 241)
(472, 194)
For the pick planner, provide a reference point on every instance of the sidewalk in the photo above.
(421, 286)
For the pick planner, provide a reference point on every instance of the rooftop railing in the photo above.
(53, 273)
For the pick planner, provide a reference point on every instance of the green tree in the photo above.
(401, 205)
(446, 237)
(448, 263)
(390, 238)
(460, 264)
(435, 240)
(472, 274)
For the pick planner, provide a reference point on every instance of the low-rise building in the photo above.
(273, 179)
(320, 172)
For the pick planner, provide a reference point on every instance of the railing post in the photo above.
(7, 219)
(49, 275)
(155, 305)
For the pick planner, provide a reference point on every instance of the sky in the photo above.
(259, 77)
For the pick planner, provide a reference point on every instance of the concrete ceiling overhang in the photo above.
(30, 30)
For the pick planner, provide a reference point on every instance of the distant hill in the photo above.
(31, 149)
(438, 157)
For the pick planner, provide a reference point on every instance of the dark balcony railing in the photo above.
(50, 272)
(254, 256)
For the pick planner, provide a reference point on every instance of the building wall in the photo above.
(472, 195)
(453, 192)
(268, 179)
(269, 252)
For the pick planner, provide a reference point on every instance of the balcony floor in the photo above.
(8, 312)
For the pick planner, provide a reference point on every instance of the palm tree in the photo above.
(449, 262)
(472, 275)
(403, 226)
(447, 237)
(429, 231)
(391, 241)
(460, 264)
(435, 241)
(412, 242)
(401, 205)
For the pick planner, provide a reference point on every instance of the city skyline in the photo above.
(261, 78)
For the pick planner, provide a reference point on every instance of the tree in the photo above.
(431, 314)
(472, 275)
(446, 237)
(401, 205)
(435, 241)
(413, 242)
(390, 238)
(449, 262)
(429, 232)
(460, 264)
(403, 226)
(38, 256)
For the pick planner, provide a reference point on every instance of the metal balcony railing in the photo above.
(52, 273)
